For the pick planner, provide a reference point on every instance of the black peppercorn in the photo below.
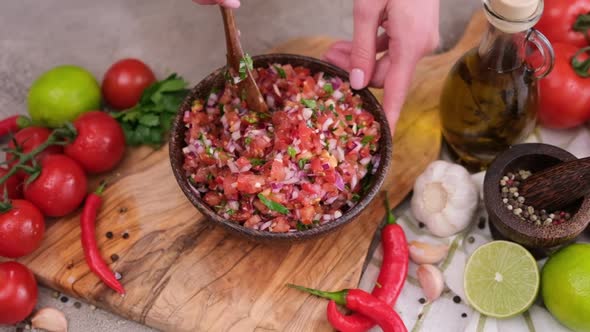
(64, 299)
(109, 235)
(422, 300)
(457, 299)
(421, 225)
(114, 257)
(463, 315)
(125, 235)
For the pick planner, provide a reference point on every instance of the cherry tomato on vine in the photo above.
(13, 185)
(60, 187)
(27, 140)
(125, 81)
(18, 292)
(100, 144)
(21, 229)
(565, 94)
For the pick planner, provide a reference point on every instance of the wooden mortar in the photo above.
(540, 240)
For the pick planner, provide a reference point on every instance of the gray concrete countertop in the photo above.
(171, 36)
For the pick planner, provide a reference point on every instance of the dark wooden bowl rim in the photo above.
(202, 89)
(556, 234)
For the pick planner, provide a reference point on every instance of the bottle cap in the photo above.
(513, 16)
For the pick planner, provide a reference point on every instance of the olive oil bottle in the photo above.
(490, 97)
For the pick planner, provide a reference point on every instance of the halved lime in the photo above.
(501, 279)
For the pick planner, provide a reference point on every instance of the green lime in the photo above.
(501, 279)
(565, 286)
(62, 94)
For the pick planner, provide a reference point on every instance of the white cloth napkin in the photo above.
(445, 314)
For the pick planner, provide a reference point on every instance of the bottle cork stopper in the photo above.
(516, 10)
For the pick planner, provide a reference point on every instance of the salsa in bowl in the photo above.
(306, 167)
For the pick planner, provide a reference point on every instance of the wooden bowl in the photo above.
(540, 240)
(216, 79)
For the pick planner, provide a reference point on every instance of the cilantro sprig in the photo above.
(148, 122)
(246, 64)
(280, 208)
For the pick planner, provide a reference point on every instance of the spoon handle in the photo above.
(235, 54)
(558, 186)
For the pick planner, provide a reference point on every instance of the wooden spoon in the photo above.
(234, 55)
(557, 187)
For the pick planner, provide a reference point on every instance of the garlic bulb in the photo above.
(445, 198)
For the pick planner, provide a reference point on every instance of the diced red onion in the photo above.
(326, 217)
(365, 161)
(336, 83)
(337, 214)
(317, 216)
(211, 110)
(376, 163)
(232, 166)
(353, 182)
(265, 225)
(270, 100)
(234, 205)
(292, 180)
(245, 168)
(337, 94)
(193, 189)
(276, 186)
(236, 135)
(326, 166)
(332, 144)
(331, 200)
(276, 90)
(295, 194)
(307, 113)
(212, 99)
(327, 124)
(339, 182)
(340, 154)
(187, 116)
(357, 147)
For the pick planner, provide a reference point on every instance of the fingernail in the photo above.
(357, 79)
(231, 3)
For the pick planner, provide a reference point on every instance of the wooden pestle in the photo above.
(234, 55)
(557, 187)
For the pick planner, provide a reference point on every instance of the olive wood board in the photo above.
(182, 273)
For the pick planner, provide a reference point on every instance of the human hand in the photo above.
(225, 3)
(411, 31)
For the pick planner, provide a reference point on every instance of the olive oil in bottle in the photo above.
(490, 97)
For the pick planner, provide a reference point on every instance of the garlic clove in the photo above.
(431, 280)
(50, 319)
(426, 253)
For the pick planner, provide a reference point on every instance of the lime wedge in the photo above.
(501, 279)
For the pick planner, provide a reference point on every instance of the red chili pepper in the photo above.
(91, 253)
(12, 124)
(362, 302)
(390, 282)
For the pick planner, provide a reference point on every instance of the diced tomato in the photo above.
(232, 117)
(256, 147)
(365, 119)
(316, 166)
(330, 176)
(250, 183)
(252, 221)
(280, 225)
(230, 187)
(242, 162)
(307, 214)
(277, 171)
(213, 198)
(309, 87)
(311, 188)
(309, 139)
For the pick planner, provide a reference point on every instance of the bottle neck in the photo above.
(501, 51)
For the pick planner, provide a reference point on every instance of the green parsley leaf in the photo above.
(301, 226)
(356, 197)
(222, 108)
(257, 161)
(148, 122)
(273, 205)
(367, 139)
(230, 211)
(246, 64)
(291, 151)
(303, 162)
(281, 71)
(248, 140)
(310, 103)
(348, 117)
(328, 88)
(209, 176)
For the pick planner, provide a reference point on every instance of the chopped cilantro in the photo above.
(248, 140)
(331, 107)
(246, 64)
(273, 205)
(291, 151)
(301, 226)
(322, 107)
(251, 119)
(367, 139)
(328, 88)
(209, 176)
(214, 90)
(192, 181)
(373, 147)
(281, 71)
(257, 161)
(222, 109)
(302, 162)
(356, 197)
(243, 95)
(230, 211)
(310, 103)
(349, 117)
(361, 126)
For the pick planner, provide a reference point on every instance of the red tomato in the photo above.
(558, 20)
(565, 96)
(100, 144)
(18, 292)
(28, 139)
(250, 183)
(13, 185)
(125, 81)
(21, 229)
(60, 188)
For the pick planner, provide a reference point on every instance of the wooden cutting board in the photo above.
(182, 273)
